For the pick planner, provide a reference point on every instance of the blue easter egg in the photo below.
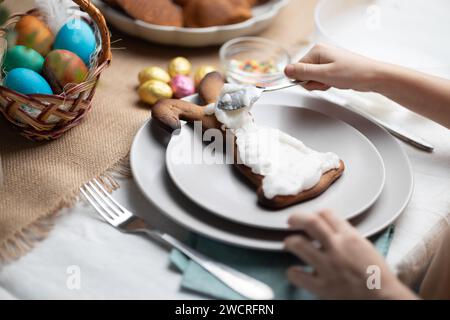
(27, 81)
(77, 36)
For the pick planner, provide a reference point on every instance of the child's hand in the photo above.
(341, 263)
(325, 66)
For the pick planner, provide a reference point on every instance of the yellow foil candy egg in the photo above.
(153, 90)
(202, 72)
(180, 66)
(153, 73)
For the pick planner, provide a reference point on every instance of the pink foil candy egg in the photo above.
(182, 86)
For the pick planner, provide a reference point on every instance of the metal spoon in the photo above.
(235, 102)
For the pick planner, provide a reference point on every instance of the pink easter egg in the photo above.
(182, 86)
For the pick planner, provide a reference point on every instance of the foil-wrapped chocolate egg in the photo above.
(153, 90)
(179, 65)
(201, 72)
(153, 73)
(182, 86)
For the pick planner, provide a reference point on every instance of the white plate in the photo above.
(404, 32)
(219, 188)
(263, 16)
(149, 170)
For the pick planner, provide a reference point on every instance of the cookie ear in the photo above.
(210, 87)
(169, 112)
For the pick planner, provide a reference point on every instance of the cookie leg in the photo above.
(169, 112)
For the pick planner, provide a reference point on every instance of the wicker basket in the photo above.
(53, 115)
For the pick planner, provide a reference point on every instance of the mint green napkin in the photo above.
(269, 267)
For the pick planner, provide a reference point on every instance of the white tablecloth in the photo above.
(115, 265)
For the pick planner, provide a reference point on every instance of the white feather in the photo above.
(57, 12)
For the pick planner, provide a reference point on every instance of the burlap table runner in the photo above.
(41, 178)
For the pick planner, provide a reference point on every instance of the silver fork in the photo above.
(124, 220)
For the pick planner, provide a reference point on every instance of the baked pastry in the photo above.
(160, 12)
(189, 13)
(207, 13)
(169, 112)
(252, 3)
(182, 2)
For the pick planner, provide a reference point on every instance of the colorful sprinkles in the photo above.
(254, 66)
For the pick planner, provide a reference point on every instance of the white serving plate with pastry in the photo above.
(149, 170)
(220, 188)
(263, 16)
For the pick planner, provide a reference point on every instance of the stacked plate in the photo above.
(211, 199)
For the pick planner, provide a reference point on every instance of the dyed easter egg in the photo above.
(182, 86)
(62, 67)
(201, 72)
(23, 57)
(34, 33)
(77, 36)
(154, 90)
(153, 73)
(179, 65)
(26, 81)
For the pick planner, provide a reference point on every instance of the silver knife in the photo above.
(399, 133)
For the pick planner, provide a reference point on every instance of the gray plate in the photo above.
(148, 166)
(220, 189)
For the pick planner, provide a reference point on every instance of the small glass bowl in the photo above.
(235, 53)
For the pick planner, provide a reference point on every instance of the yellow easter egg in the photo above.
(153, 90)
(201, 72)
(153, 73)
(179, 66)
